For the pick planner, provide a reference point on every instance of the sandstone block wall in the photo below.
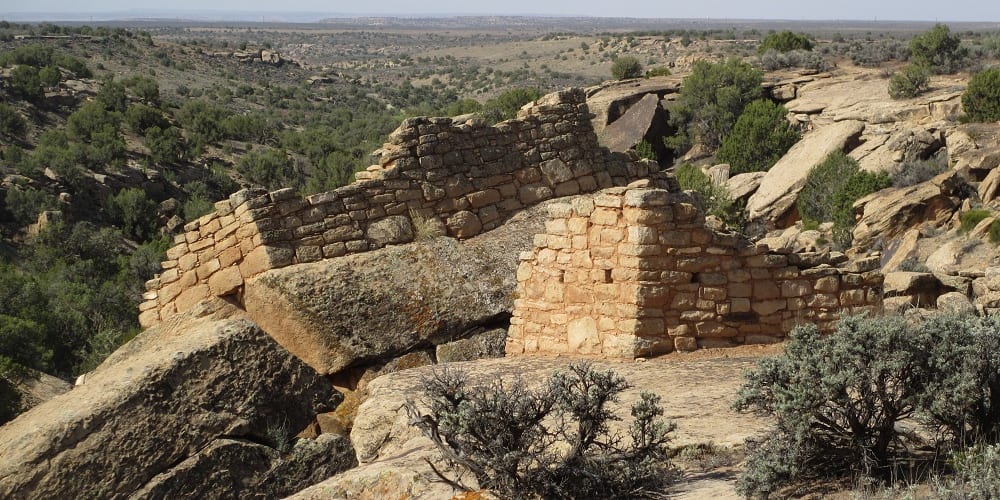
(635, 272)
(433, 176)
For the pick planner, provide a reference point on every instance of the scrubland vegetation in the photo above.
(130, 134)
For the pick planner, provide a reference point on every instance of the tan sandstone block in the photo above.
(188, 298)
(225, 281)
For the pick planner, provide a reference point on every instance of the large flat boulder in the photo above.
(907, 145)
(779, 188)
(161, 399)
(368, 308)
(645, 120)
(889, 213)
(238, 469)
(610, 100)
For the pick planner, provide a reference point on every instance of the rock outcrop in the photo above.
(779, 188)
(161, 399)
(887, 214)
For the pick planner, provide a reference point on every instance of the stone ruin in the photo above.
(635, 272)
(432, 175)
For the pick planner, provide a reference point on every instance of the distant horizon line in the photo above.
(153, 14)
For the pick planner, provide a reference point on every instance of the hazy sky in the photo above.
(948, 10)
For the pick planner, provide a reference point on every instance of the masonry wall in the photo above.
(635, 272)
(432, 176)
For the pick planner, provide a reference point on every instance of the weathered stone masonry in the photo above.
(635, 272)
(463, 179)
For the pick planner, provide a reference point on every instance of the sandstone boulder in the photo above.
(609, 101)
(240, 469)
(908, 145)
(779, 188)
(158, 401)
(923, 289)
(391, 230)
(742, 186)
(955, 302)
(482, 345)
(891, 212)
(365, 309)
(901, 251)
(645, 120)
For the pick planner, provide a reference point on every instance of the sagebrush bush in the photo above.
(874, 54)
(550, 442)
(12, 124)
(760, 137)
(981, 100)
(658, 71)
(963, 395)
(994, 232)
(807, 59)
(836, 400)
(910, 82)
(626, 67)
(913, 173)
(977, 474)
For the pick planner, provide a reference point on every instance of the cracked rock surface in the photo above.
(172, 393)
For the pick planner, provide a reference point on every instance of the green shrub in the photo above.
(938, 50)
(711, 98)
(645, 150)
(716, 198)
(145, 88)
(10, 397)
(112, 96)
(141, 117)
(977, 474)
(166, 146)
(626, 67)
(658, 71)
(25, 83)
(12, 124)
(910, 82)
(270, 168)
(963, 396)
(836, 401)
(134, 213)
(24, 204)
(784, 41)
(463, 107)
(506, 105)
(832, 188)
(552, 442)
(995, 231)
(981, 100)
(972, 218)
(760, 137)
(49, 76)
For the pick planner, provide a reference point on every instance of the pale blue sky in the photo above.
(866, 10)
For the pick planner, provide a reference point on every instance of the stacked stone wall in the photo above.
(636, 272)
(433, 176)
